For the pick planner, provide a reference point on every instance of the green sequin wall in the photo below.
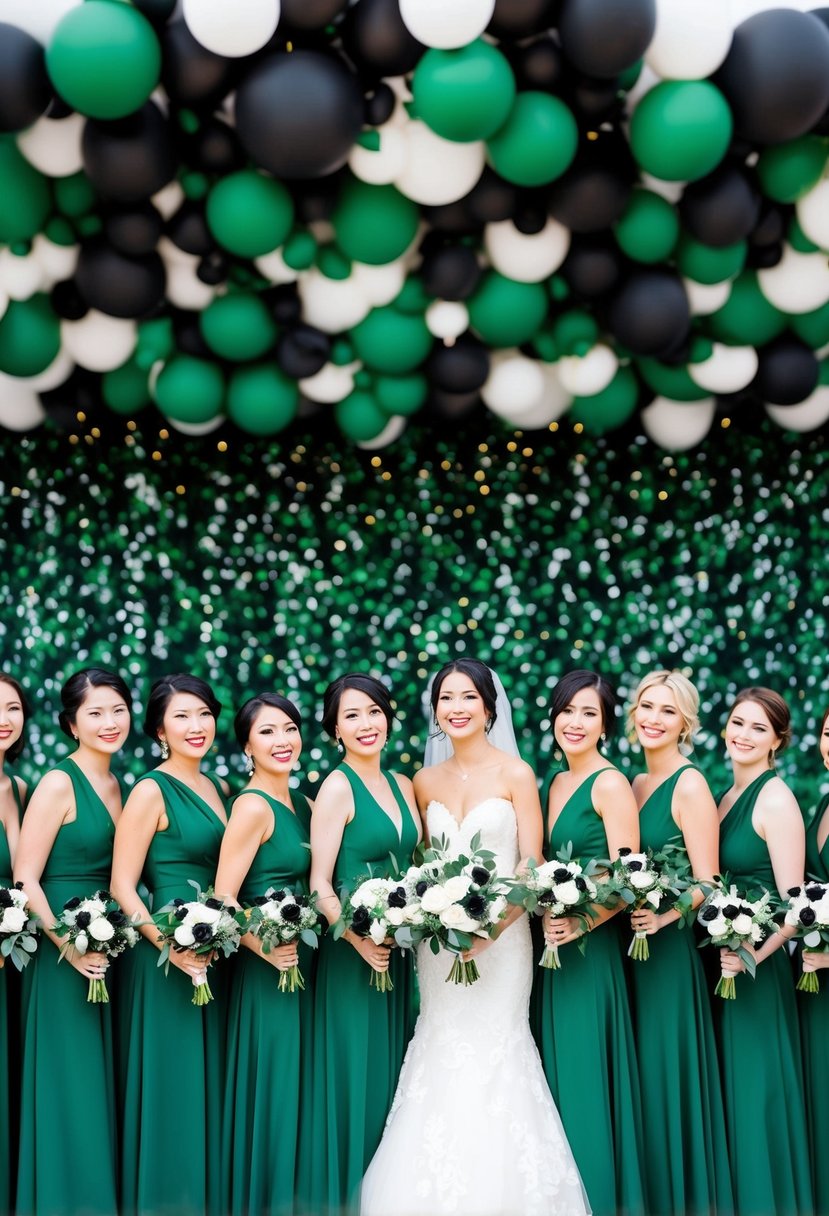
(282, 567)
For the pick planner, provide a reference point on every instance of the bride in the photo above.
(473, 1130)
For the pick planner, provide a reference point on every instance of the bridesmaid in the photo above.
(171, 1054)
(362, 815)
(14, 711)
(762, 847)
(814, 1007)
(265, 846)
(684, 1140)
(66, 1165)
(583, 1025)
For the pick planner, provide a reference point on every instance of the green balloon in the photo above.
(104, 59)
(126, 389)
(746, 318)
(788, 171)
(575, 332)
(249, 214)
(611, 407)
(812, 327)
(649, 228)
(671, 382)
(300, 250)
(464, 94)
(262, 400)
(29, 336)
(681, 129)
(156, 341)
(74, 195)
(538, 141)
(507, 313)
(391, 341)
(25, 201)
(238, 326)
(189, 389)
(359, 416)
(374, 224)
(707, 264)
(400, 394)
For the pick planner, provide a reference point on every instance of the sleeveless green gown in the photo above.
(8, 1117)
(360, 1034)
(814, 1029)
(583, 1029)
(684, 1142)
(171, 1052)
(268, 1037)
(760, 1050)
(67, 1161)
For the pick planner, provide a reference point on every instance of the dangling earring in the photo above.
(340, 746)
(165, 749)
(772, 757)
(250, 764)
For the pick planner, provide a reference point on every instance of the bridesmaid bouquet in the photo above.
(733, 922)
(17, 928)
(654, 878)
(278, 918)
(808, 911)
(204, 925)
(376, 908)
(562, 887)
(95, 926)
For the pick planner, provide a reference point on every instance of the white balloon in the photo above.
(379, 284)
(447, 319)
(20, 409)
(446, 23)
(168, 199)
(806, 415)
(690, 40)
(184, 287)
(331, 304)
(527, 259)
(727, 370)
(197, 428)
(813, 213)
(705, 298)
(232, 29)
(330, 384)
(274, 267)
(380, 168)
(549, 406)
(4, 302)
(37, 17)
(20, 276)
(678, 425)
(393, 429)
(56, 261)
(798, 283)
(515, 382)
(437, 170)
(672, 191)
(645, 81)
(53, 145)
(58, 371)
(99, 342)
(586, 375)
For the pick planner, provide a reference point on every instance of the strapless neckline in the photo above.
(459, 823)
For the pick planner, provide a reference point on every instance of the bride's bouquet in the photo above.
(17, 926)
(376, 908)
(204, 925)
(279, 918)
(808, 911)
(734, 922)
(563, 888)
(95, 926)
(659, 879)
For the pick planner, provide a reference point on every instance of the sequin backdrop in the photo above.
(281, 568)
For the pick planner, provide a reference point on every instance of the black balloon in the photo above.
(284, 304)
(649, 313)
(772, 222)
(787, 371)
(189, 231)
(67, 301)
(298, 115)
(451, 272)
(776, 75)
(451, 407)
(309, 14)
(156, 11)
(213, 268)
(460, 368)
(722, 208)
(131, 159)
(302, 351)
(25, 90)
(530, 215)
(134, 231)
(189, 337)
(317, 199)
(540, 66)
(595, 99)
(214, 148)
(763, 257)
(118, 285)
(593, 266)
(377, 41)
(491, 199)
(605, 37)
(192, 75)
(521, 18)
(380, 106)
(594, 192)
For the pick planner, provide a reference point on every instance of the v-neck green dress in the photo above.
(813, 1008)
(360, 1034)
(8, 990)
(171, 1052)
(760, 1049)
(683, 1131)
(583, 1029)
(67, 1162)
(269, 1034)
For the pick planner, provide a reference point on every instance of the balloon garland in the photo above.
(267, 210)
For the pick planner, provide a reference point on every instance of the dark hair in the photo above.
(162, 693)
(332, 696)
(244, 719)
(776, 710)
(75, 690)
(573, 682)
(481, 677)
(17, 747)
(822, 721)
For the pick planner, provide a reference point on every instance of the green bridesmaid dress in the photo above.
(8, 1117)
(684, 1142)
(813, 1008)
(67, 1162)
(760, 1049)
(171, 1052)
(360, 1034)
(268, 1036)
(583, 1029)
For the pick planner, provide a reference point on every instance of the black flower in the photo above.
(215, 904)
(625, 852)
(302, 900)
(105, 896)
(74, 902)
(6, 900)
(397, 898)
(291, 913)
(180, 912)
(475, 905)
(202, 933)
(814, 892)
(807, 916)
(178, 903)
(561, 874)
(116, 917)
(259, 901)
(360, 920)
(580, 883)
(421, 887)
(730, 911)
(83, 919)
(279, 895)
(709, 913)
(479, 875)
(792, 891)
(633, 866)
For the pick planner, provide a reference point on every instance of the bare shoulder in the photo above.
(611, 781)
(250, 805)
(335, 796)
(775, 798)
(692, 784)
(405, 783)
(54, 784)
(429, 781)
(145, 796)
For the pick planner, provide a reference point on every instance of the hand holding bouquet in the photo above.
(17, 928)
(280, 918)
(95, 926)
(733, 922)
(375, 909)
(563, 888)
(655, 879)
(204, 925)
(808, 911)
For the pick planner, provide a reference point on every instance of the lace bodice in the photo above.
(493, 819)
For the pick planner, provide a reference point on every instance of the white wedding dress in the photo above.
(473, 1130)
